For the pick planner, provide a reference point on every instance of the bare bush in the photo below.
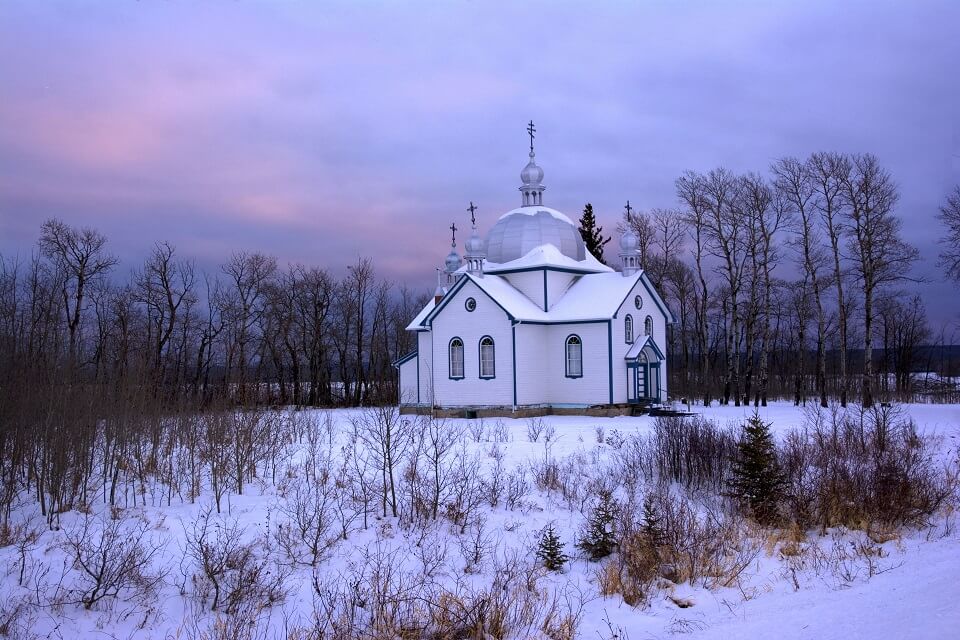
(111, 558)
(691, 451)
(226, 571)
(535, 427)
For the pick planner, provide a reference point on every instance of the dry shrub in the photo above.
(861, 468)
(691, 451)
(111, 559)
(378, 598)
(231, 574)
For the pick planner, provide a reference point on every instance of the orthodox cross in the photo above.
(629, 209)
(531, 130)
(472, 209)
(453, 228)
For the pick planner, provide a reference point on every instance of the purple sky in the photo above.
(319, 132)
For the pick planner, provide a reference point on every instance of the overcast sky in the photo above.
(320, 132)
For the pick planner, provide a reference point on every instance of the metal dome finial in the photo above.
(532, 176)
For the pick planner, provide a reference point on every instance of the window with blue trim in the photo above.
(487, 358)
(628, 329)
(574, 357)
(648, 326)
(456, 359)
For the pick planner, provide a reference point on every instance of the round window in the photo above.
(638, 302)
(471, 304)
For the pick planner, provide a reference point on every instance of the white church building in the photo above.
(528, 318)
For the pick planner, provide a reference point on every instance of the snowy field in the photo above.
(908, 588)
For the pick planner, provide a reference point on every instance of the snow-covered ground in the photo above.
(914, 592)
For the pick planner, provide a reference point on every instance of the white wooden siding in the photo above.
(408, 381)
(487, 320)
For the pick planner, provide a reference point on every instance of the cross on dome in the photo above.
(532, 176)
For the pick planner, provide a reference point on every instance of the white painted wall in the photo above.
(557, 284)
(487, 319)
(408, 381)
(530, 284)
(594, 386)
(533, 367)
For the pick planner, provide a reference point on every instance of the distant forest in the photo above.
(73, 332)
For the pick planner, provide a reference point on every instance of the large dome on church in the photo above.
(520, 231)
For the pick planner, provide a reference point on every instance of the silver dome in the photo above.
(629, 241)
(532, 173)
(475, 244)
(453, 261)
(521, 231)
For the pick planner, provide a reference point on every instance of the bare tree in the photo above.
(80, 256)
(950, 217)
(794, 182)
(828, 172)
(880, 256)
(690, 190)
(386, 435)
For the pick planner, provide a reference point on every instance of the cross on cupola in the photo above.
(476, 247)
(629, 210)
(629, 245)
(453, 228)
(532, 176)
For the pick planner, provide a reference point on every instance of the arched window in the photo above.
(628, 329)
(487, 358)
(456, 359)
(574, 357)
(648, 326)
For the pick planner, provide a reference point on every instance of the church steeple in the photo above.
(629, 252)
(476, 249)
(453, 261)
(532, 176)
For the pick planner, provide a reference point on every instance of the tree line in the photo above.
(249, 332)
(786, 284)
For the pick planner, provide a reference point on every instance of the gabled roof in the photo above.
(417, 323)
(592, 297)
(639, 345)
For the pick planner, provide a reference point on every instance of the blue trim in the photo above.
(545, 290)
(556, 322)
(657, 300)
(513, 330)
(610, 354)
(545, 268)
(493, 344)
(646, 321)
(463, 362)
(632, 335)
(566, 357)
(403, 359)
(451, 294)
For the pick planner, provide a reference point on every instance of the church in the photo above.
(529, 319)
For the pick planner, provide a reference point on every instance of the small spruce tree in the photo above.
(592, 234)
(550, 549)
(758, 481)
(652, 525)
(598, 539)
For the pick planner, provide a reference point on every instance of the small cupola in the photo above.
(476, 247)
(629, 246)
(532, 176)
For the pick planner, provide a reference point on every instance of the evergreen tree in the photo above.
(592, 234)
(652, 525)
(550, 549)
(598, 539)
(758, 481)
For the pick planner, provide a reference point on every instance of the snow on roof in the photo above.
(415, 324)
(639, 344)
(594, 296)
(534, 210)
(547, 255)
